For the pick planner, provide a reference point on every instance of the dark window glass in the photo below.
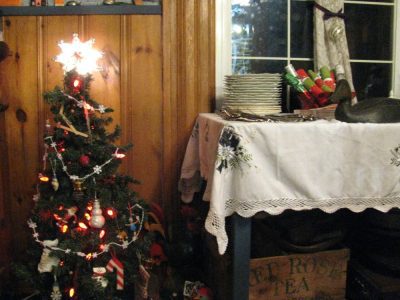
(243, 66)
(259, 29)
(388, 1)
(302, 29)
(371, 80)
(369, 31)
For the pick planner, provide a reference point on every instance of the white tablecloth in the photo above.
(271, 167)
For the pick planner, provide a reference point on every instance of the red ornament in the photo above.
(157, 254)
(84, 160)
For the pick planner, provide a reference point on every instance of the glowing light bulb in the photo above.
(102, 233)
(87, 216)
(64, 228)
(110, 212)
(71, 292)
(43, 178)
(76, 83)
(89, 256)
(82, 225)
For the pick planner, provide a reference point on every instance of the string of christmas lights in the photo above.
(83, 104)
(91, 255)
(97, 169)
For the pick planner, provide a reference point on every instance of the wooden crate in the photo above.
(363, 283)
(320, 275)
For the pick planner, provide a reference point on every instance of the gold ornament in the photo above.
(78, 185)
(122, 235)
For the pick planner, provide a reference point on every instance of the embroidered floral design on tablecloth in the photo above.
(396, 156)
(230, 152)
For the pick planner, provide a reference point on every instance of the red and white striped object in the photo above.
(114, 263)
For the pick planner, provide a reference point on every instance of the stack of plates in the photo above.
(253, 93)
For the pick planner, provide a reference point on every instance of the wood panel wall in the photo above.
(165, 78)
(189, 80)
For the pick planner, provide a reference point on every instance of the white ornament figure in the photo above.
(98, 275)
(56, 293)
(47, 262)
(97, 220)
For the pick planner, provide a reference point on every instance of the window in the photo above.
(266, 35)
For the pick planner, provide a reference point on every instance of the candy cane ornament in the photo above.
(114, 263)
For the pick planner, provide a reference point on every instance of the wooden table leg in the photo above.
(241, 240)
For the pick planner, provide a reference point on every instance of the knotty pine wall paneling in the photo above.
(19, 88)
(188, 82)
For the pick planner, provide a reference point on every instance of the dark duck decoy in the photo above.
(369, 110)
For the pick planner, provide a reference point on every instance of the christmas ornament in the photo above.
(157, 254)
(154, 224)
(97, 220)
(47, 262)
(56, 293)
(114, 263)
(77, 193)
(79, 56)
(98, 275)
(84, 160)
(122, 235)
(70, 127)
(55, 184)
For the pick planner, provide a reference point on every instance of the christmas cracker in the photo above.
(318, 80)
(313, 88)
(306, 99)
(326, 77)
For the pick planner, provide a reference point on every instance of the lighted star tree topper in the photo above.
(78, 55)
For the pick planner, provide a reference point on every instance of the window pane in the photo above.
(302, 29)
(369, 31)
(259, 28)
(242, 66)
(388, 1)
(371, 80)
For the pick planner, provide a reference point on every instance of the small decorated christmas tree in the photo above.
(87, 224)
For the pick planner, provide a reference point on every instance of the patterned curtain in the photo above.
(330, 42)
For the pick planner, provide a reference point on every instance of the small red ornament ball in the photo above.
(84, 160)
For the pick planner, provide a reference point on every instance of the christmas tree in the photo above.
(87, 224)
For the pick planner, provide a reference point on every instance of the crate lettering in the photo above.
(299, 276)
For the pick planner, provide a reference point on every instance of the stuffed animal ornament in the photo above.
(369, 110)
